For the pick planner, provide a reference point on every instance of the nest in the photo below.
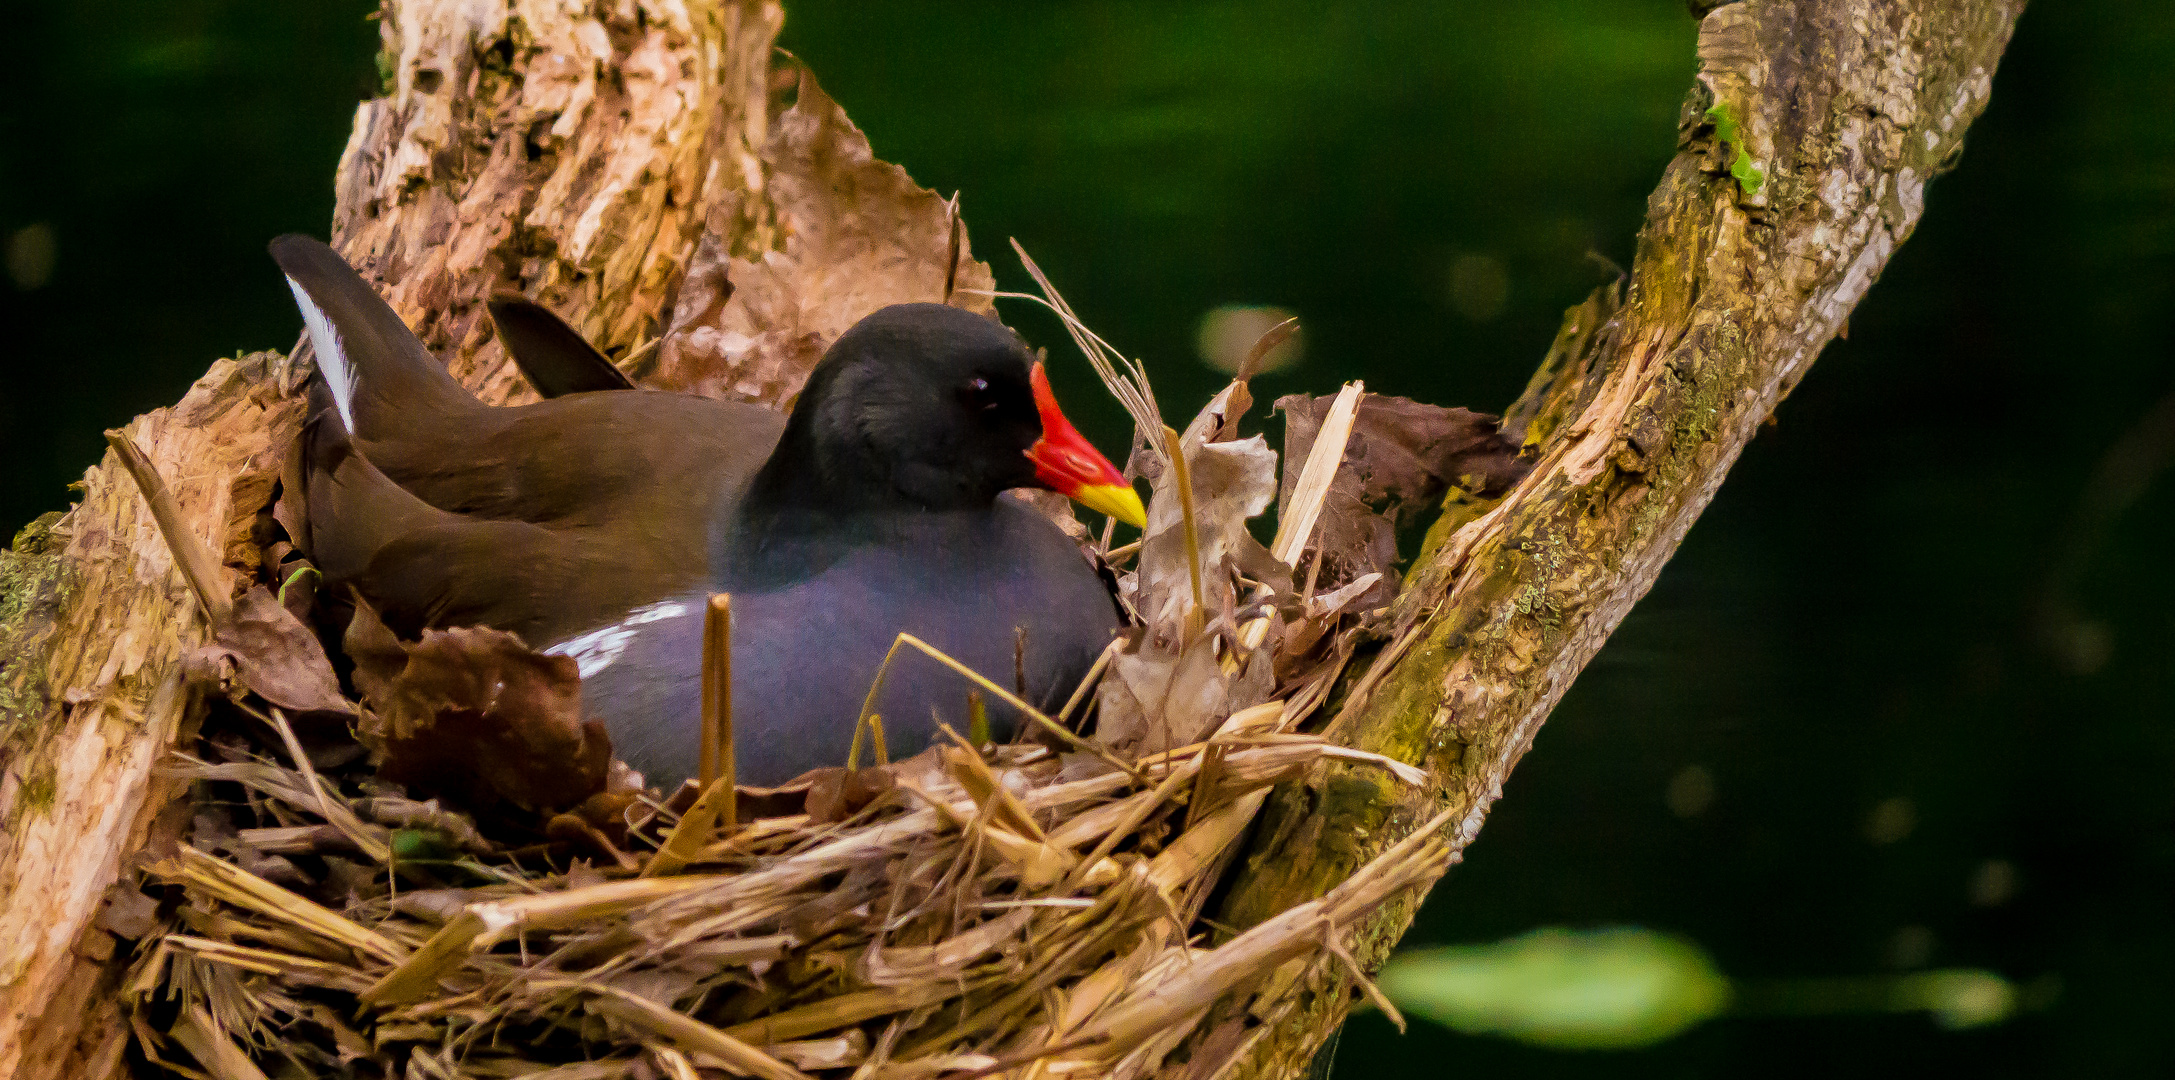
(1032, 909)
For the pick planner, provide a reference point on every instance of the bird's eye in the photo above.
(975, 394)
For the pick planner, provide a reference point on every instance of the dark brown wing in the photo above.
(422, 566)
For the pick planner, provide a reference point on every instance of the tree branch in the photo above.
(1804, 154)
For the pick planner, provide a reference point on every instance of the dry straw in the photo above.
(1030, 911)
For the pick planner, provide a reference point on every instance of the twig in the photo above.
(636, 353)
(977, 720)
(951, 260)
(693, 833)
(1184, 477)
(195, 563)
(202, 1037)
(1269, 340)
(691, 1034)
(717, 692)
(1014, 1061)
(370, 846)
(717, 810)
(868, 706)
(1358, 976)
(674, 1063)
(1131, 389)
(234, 885)
(1087, 681)
(1126, 826)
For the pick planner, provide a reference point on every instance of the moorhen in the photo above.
(597, 522)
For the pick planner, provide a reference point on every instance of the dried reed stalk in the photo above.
(1191, 527)
(717, 690)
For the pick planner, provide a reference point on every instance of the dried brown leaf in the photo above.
(1403, 456)
(379, 657)
(127, 913)
(586, 838)
(1054, 506)
(1232, 481)
(478, 716)
(1218, 421)
(837, 794)
(852, 234)
(1157, 698)
(1403, 451)
(266, 649)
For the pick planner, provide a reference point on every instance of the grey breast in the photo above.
(806, 653)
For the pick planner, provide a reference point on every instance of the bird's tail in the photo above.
(381, 378)
(347, 510)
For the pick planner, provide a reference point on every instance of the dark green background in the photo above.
(1890, 599)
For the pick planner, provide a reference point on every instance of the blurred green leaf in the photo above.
(1958, 998)
(1576, 989)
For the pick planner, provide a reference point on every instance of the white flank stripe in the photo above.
(331, 357)
(597, 649)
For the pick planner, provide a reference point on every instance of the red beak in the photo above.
(1071, 465)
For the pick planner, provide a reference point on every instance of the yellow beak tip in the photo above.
(1115, 500)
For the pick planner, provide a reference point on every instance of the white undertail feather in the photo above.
(598, 649)
(331, 356)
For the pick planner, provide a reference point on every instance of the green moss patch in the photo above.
(1749, 177)
(33, 583)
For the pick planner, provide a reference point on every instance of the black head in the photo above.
(917, 406)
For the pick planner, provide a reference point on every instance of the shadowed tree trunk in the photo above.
(653, 171)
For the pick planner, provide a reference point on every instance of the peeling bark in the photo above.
(95, 697)
(650, 172)
(1804, 154)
